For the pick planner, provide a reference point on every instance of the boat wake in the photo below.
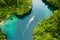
(31, 19)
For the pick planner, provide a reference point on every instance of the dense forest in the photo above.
(55, 3)
(10, 7)
(13, 7)
(49, 28)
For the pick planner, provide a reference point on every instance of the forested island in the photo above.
(55, 3)
(13, 7)
(49, 28)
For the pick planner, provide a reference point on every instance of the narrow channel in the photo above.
(22, 29)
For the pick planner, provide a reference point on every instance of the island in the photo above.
(49, 28)
(13, 7)
(55, 3)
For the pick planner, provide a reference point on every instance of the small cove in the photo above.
(14, 27)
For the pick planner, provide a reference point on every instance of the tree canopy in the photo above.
(18, 7)
(49, 29)
(55, 3)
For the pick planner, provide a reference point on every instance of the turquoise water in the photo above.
(22, 29)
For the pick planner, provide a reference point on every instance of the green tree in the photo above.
(49, 28)
(55, 3)
(18, 7)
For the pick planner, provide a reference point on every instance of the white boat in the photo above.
(31, 19)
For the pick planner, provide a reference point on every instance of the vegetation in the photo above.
(49, 29)
(10, 7)
(2, 36)
(55, 3)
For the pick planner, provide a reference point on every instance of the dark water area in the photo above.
(22, 28)
(51, 7)
(25, 15)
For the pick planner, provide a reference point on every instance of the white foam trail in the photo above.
(31, 19)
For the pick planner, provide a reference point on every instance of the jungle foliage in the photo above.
(55, 3)
(49, 28)
(10, 7)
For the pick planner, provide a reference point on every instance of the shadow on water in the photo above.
(25, 14)
(51, 7)
(20, 17)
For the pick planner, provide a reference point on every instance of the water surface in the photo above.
(22, 29)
